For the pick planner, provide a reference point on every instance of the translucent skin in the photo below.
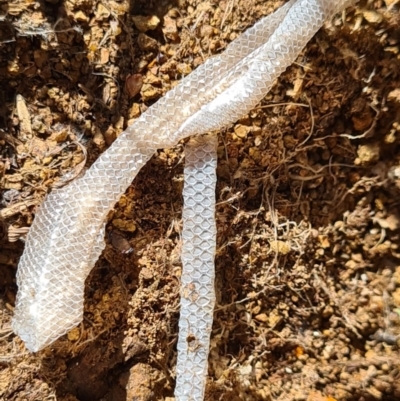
(66, 237)
(197, 280)
(295, 25)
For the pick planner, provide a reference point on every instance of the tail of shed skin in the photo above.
(197, 280)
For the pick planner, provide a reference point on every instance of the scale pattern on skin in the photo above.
(67, 235)
(197, 281)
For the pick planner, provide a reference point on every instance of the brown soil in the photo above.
(308, 261)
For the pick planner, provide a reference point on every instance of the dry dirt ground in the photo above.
(308, 260)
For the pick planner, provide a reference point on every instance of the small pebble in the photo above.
(146, 23)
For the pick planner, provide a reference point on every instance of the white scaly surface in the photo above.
(289, 30)
(197, 280)
(67, 235)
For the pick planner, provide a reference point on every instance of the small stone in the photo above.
(81, 16)
(289, 141)
(280, 247)
(245, 370)
(262, 317)
(134, 111)
(104, 55)
(142, 65)
(124, 225)
(342, 394)
(394, 95)
(362, 123)
(139, 384)
(255, 153)
(324, 241)
(327, 312)
(98, 140)
(368, 153)
(152, 79)
(370, 355)
(297, 88)
(372, 16)
(299, 351)
(41, 58)
(391, 222)
(345, 376)
(39, 148)
(146, 42)
(150, 92)
(146, 23)
(146, 273)
(60, 134)
(102, 12)
(206, 31)
(317, 344)
(391, 137)
(169, 29)
(242, 131)
(13, 67)
(183, 68)
(74, 334)
(274, 319)
(110, 135)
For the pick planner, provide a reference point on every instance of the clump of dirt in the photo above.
(308, 260)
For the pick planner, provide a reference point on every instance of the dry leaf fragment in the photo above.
(133, 84)
(119, 242)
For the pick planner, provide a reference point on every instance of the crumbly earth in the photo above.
(308, 259)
